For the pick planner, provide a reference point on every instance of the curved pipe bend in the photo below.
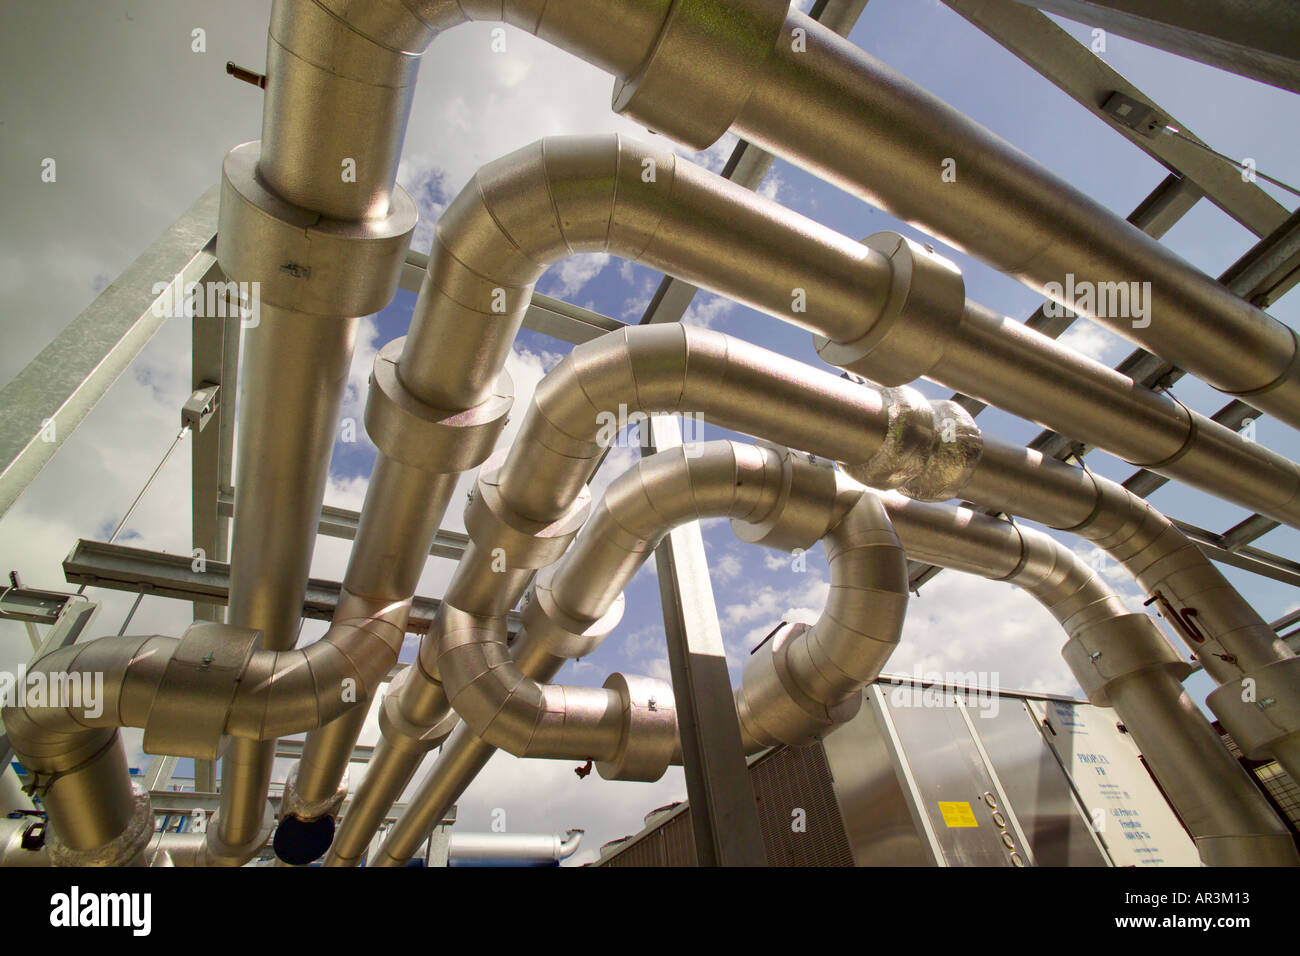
(887, 308)
(1229, 819)
(890, 439)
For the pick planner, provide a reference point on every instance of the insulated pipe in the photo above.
(822, 103)
(805, 689)
(887, 309)
(186, 694)
(1226, 814)
(338, 57)
(796, 88)
(511, 849)
(894, 438)
(312, 220)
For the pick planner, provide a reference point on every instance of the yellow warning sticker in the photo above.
(957, 813)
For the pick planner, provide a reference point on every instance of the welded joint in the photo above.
(308, 810)
(404, 733)
(556, 631)
(805, 508)
(648, 738)
(197, 690)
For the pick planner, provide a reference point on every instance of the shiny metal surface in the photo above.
(876, 134)
(1224, 811)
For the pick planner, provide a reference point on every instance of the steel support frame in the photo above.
(49, 398)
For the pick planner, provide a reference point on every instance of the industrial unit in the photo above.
(309, 232)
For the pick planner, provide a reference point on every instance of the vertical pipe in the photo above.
(294, 377)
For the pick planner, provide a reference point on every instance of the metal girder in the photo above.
(293, 748)
(120, 568)
(1077, 71)
(32, 606)
(49, 398)
(1254, 39)
(1243, 556)
(215, 361)
(724, 816)
(342, 523)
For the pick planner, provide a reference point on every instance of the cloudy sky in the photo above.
(138, 122)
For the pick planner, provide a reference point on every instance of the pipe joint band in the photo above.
(308, 810)
(511, 540)
(649, 735)
(558, 632)
(805, 509)
(1102, 653)
(217, 852)
(1262, 708)
(194, 697)
(299, 260)
(669, 95)
(773, 709)
(927, 298)
(122, 850)
(435, 440)
(404, 733)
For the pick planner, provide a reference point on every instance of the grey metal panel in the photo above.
(875, 809)
(1052, 820)
(948, 770)
(48, 399)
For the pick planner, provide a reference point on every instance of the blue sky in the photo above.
(123, 181)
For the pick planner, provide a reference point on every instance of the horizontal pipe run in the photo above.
(825, 105)
(886, 309)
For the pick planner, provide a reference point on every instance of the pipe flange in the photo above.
(300, 260)
(1100, 654)
(927, 299)
(122, 850)
(432, 439)
(954, 452)
(308, 810)
(773, 709)
(649, 736)
(666, 94)
(805, 509)
(405, 734)
(216, 852)
(192, 704)
(493, 524)
(561, 634)
(1262, 708)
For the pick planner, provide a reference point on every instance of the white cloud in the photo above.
(1093, 341)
